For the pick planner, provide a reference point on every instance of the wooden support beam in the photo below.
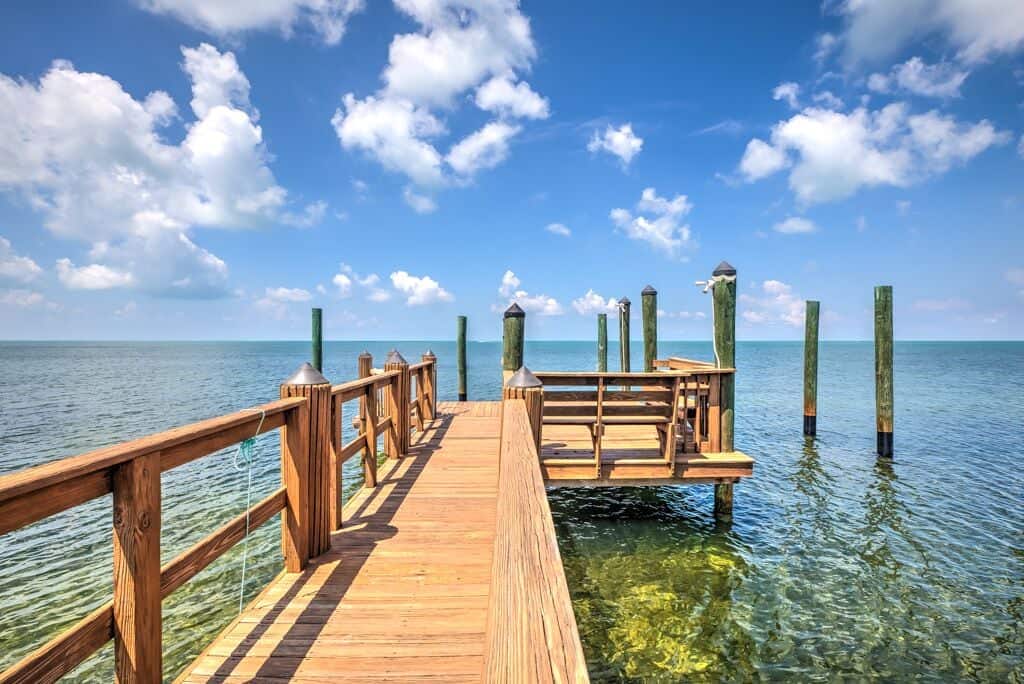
(294, 477)
(602, 342)
(883, 370)
(723, 291)
(460, 356)
(624, 305)
(137, 615)
(649, 312)
(811, 368)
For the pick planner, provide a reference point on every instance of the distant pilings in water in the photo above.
(602, 342)
(649, 315)
(624, 305)
(883, 370)
(811, 367)
(460, 355)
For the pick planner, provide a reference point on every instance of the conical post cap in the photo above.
(523, 379)
(515, 311)
(306, 375)
(624, 301)
(724, 268)
(649, 291)
(395, 357)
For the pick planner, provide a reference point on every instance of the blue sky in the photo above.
(176, 169)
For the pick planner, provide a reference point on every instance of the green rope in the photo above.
(246, 450)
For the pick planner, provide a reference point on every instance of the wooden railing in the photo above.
(131, 471)
(531, 629)
(600, 399)
(310, 493)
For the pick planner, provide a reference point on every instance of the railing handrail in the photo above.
(551, 376)
(531, 631)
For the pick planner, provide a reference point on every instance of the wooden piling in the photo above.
(602, 342)
(396, 439)
(512, 341)
(318, 339)
(308, 382)
(723, 291)
(883, 370)
(524, 385)
(649, 313)
(811, 367)
(460, 355)
(368, 417)
(624, 304)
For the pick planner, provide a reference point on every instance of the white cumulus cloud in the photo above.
(419, 290)
(834, 154)
(790, 92)
(558, 229)
(592, 303)
(775, 303)
(915, 77)
(420, 203)
(541, 304)
(509, 283)
(91, 277)
(794, 225)
(328, 18)
(662, 226)
(502, 95)
(621, 142)
(482, 149)
(14, 266)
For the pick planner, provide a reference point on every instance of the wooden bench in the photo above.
(597, 400)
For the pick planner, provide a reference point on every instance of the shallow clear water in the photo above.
(836, 566)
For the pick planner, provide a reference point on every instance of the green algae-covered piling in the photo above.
(512, 340)
(883, 369)
(460, 355)
(811, 367)
(318, 339)
(723, 291)
(624, 334)
(602, 342)
(649, 312)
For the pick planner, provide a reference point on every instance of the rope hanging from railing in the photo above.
(245, 449)
(710, 285)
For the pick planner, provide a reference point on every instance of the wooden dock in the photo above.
(443, 567)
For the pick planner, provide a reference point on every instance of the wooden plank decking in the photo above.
(403, 593)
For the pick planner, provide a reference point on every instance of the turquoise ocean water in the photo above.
(835, 567)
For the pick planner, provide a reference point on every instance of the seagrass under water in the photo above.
(834, 564)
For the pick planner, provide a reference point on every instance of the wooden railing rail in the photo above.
(531, 629)
(131, 471)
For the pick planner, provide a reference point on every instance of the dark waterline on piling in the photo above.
(834, 563)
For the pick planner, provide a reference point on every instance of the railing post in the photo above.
(883, 370)
(429, 376)
(524, 385)
(811, 368)
(308, 382)
(396, 441)
(460, 356)
(512, 341)
(649, 313)
(602, 342)
(723, 292)
(137, 614)
(368, 422)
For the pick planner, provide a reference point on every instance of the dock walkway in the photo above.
(403, 592)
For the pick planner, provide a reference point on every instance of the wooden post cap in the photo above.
(365, 354)
(515, 311)
(395, 357)
(429, 355)
(648, 291)
(624, 302)
(724, 268)
(523, 379)
(306, 375)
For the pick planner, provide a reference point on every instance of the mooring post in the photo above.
(524, 385)
(318, 339)
(314, 473)
(811, 367)
(430, 385)
(368, 422)
(624, 334)
(396, 440)
(602, 342)
(512, 341)
(649, 312)
(883, 369)
(723, 292)
(460, 355)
